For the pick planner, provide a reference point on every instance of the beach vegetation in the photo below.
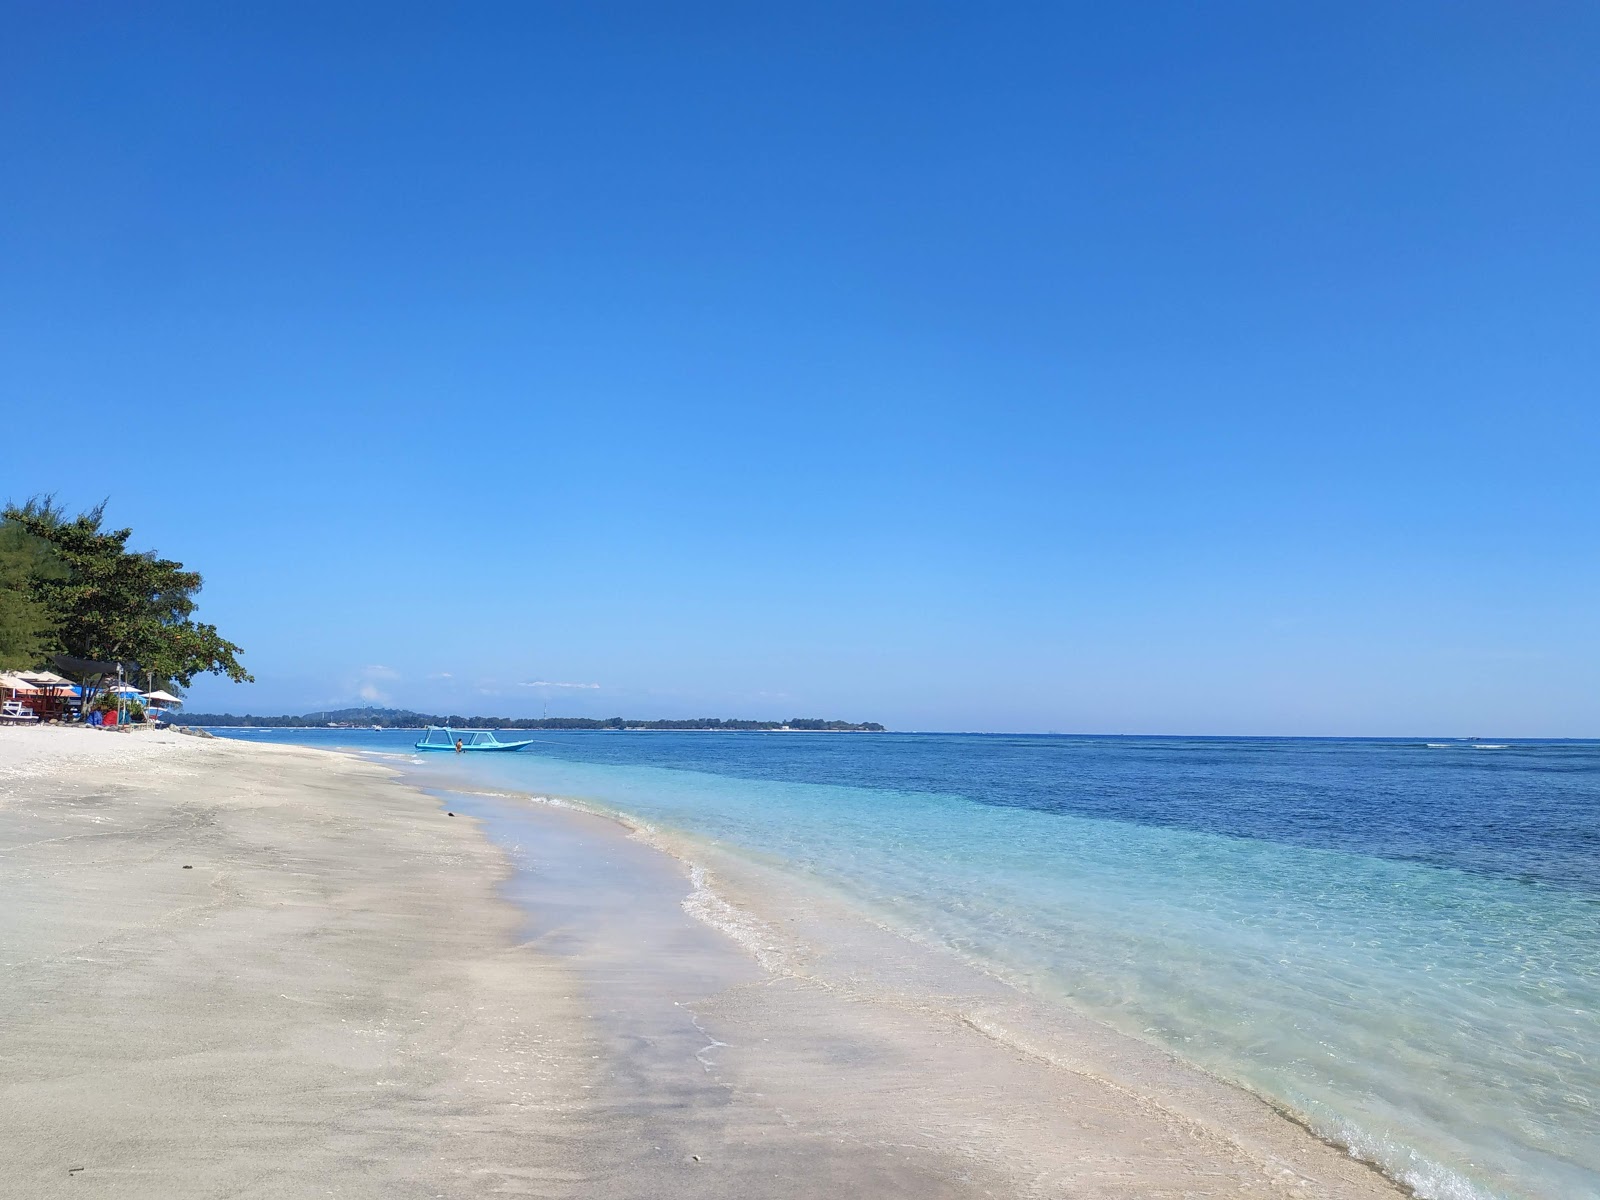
(112, 604)
(28, 631)
(109, 701)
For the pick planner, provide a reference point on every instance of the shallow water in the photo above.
(1396, 941)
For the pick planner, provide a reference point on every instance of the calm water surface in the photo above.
(1397, 940)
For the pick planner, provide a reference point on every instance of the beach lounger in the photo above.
(15, 712)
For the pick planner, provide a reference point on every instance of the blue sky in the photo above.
(1144, 368)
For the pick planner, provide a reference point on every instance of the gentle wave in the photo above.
(1426, 1178)
(1397, 949)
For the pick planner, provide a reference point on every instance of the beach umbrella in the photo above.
(162, 697)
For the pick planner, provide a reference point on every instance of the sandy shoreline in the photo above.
(329, 1002)
(339, 997)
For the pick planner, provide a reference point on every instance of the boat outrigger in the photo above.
(442, 737)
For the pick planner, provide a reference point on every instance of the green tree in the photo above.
(116, 604)
(27, 628)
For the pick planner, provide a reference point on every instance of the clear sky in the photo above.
(1147, 368)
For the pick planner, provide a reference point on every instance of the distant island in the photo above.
(399, 718)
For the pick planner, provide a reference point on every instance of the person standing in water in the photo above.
(460, 749)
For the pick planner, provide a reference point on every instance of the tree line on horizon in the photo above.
(392, 718)
(68, 585)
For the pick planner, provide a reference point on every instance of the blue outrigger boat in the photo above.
(442, 737)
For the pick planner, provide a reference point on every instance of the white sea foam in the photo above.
(1427, 1179)
(703, 902)
(1229, 891)
(755, 935)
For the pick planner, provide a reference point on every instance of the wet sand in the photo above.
(351, 993)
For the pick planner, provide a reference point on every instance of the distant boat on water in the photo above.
(442, 737)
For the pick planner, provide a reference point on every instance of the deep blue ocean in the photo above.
(1398, 941)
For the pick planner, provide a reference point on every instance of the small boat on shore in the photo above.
(442, 737)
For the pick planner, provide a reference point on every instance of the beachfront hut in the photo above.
(15, 687)
(19, 700)
(52, 695)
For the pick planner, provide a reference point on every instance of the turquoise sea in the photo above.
(1398, 941)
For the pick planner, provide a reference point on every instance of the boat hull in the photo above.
(476, 749)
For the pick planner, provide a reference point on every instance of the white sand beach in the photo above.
(258, 971)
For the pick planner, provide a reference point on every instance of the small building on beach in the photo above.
(50, 696)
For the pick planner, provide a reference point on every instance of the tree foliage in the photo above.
(115, 604)
(27, 628)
